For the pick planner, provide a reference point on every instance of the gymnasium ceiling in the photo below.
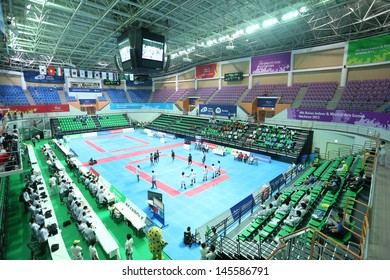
(82, 33)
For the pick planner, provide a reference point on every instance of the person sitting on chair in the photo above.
(188, 237)
(92, 161)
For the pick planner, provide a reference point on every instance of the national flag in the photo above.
(104, 75)
(90, 74)
(42, 69)
(74, 73)
(59, 71)
(51, 70)
(82, 73)
(97, 75)
(66, 72)
(116, 77)
(110, 76)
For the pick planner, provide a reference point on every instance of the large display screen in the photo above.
(124, 50)
(152, 50)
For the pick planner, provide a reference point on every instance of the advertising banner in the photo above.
(85, 90)
(267, 102)
(139, 106)
(36, 77)
(371, 50)
(222, 110)
(241, 207)
(278, 62)
(31, 109)
(87, 101)
(207, 71)
(371, 119)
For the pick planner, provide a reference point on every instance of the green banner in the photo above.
(370, 50)
(118, 194)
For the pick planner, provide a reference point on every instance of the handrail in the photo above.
(318, 238)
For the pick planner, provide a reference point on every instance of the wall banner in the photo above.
(278, 62)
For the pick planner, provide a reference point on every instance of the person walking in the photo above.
(189, 159)
(382, 153)
(129, 247)
(154, 185)
(173, 155)
(218, 168)
(138, 172)
(151, 159)
(203, 157)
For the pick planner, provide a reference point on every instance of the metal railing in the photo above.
(311, 244)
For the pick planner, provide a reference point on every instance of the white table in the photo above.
(187, 147)
(220, 152)
(31, 154)
(129, 215)
(105, 239)
(64, 149)
(62, 252)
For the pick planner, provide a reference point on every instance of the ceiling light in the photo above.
(252, 28)
(270, 22)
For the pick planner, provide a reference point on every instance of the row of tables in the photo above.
(105, 239)
(124, 209)
(61, 253)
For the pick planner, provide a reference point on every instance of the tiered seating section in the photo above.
(113, 121)
(318, 94)
(365, 95)
(140, 95)
(77, 123)
(321, 203)
(102, 98)
(162, 94)
(44, 95)
(117, 95)
(12, 95)
(177, 95)
(178, 125)
(228, 95)
(286, 93)
(69, 98)
(203, 93)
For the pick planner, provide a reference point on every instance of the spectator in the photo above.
(43, 235)
(203, 251)
(214, 236)
(338, 231)
(77, 251)
(263, 214)
(93, 254)
(129, 247)
(382, 153)
(211, 255)
(293, 220)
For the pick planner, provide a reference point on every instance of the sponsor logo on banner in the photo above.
(222, 110)
(206, 71)
(31, 109)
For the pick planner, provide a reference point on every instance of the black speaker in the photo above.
(133, 59)
(167, 63)
(118, 64)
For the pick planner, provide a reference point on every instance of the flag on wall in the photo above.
(90, 74)
(51, 70)
(116, 77)
(59, 71)
(74, 73)
(110, 76)
(66, 72)
(104, 75)
(82, 73)
(42, 69)
(97, 75)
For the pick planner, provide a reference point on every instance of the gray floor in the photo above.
(379, 241)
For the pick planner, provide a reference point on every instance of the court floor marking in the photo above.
(133, 154)
(172, 191)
